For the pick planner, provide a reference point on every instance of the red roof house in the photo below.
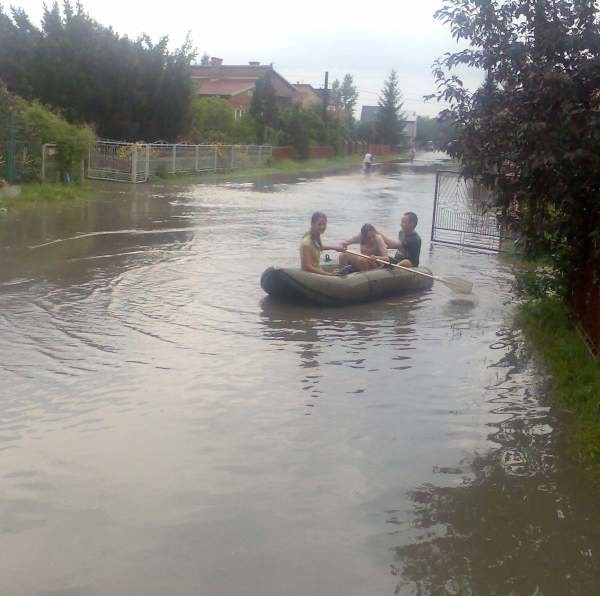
(236, 83)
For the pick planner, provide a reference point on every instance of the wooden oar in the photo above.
(456, 284)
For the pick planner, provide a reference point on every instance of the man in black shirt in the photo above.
(408, 244)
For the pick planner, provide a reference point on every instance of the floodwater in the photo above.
(165, 429)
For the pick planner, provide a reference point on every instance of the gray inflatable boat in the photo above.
(295, 285)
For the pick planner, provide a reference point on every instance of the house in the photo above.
(369, 114)
(308, 96)
(236, 83)
(410, 126)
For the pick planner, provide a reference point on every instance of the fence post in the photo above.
(196, 155)
(134, 154)
(215, 165)
(174, 159)
(232, 157)
(10, 158)
(147, 161)
(44, 162)
(435, 203)
(259, 155)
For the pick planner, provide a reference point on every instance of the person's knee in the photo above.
(405, 263)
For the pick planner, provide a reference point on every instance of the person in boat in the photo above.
(408, 245)
(372, 245)
(367, 162)
(311, 246)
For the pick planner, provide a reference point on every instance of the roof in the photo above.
(244, 72)
(306, 91)
(369, 113)
(225, 86)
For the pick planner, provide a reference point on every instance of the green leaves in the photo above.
(128, 89)
(532, 130)
(389, 124)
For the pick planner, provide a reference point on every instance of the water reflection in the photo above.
(517, 520)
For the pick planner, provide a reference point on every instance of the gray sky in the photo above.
(363, 39)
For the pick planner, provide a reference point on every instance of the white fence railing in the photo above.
(138, 162)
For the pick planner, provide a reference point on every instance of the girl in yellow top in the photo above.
(311, 245)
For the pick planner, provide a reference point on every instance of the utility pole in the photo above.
(325, 97)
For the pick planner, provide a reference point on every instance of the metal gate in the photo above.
(463, 214)
(137, 162)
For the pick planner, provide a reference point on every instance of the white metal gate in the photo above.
(463, 214)
(137, 162)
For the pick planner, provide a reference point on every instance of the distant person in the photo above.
(367, 162)
(371, 245)
(412, 153)
(311, 245)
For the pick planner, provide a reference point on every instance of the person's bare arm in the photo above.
(389, 242)
(336, 247)
(353, 240)
(306, 262)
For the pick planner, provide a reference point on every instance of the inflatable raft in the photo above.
(295, 285)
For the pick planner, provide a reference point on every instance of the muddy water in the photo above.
(165, 429)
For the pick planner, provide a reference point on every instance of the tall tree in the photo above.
(335, 96)
(127, 89)
(389, 122)
(348, 94)
(263, 107)
(531, 130)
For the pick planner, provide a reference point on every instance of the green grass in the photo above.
(575, 372)
(287, 166)
(39, 194)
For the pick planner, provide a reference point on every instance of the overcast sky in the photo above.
(365, 39)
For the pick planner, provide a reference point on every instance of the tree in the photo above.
(367, 131)
(389, 123)
(205, 60)
(348, 95)
(35, 124)
(297, 127)
(335, 96)
(263, 107)
(210, 115)
(437, 131)
(129, 89)
(531, 131)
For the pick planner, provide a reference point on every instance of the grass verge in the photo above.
(286, 166)
(575, 372)
(38, 194)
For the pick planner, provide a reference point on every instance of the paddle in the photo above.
(456, 284)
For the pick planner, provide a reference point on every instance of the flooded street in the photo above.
(166, 429)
